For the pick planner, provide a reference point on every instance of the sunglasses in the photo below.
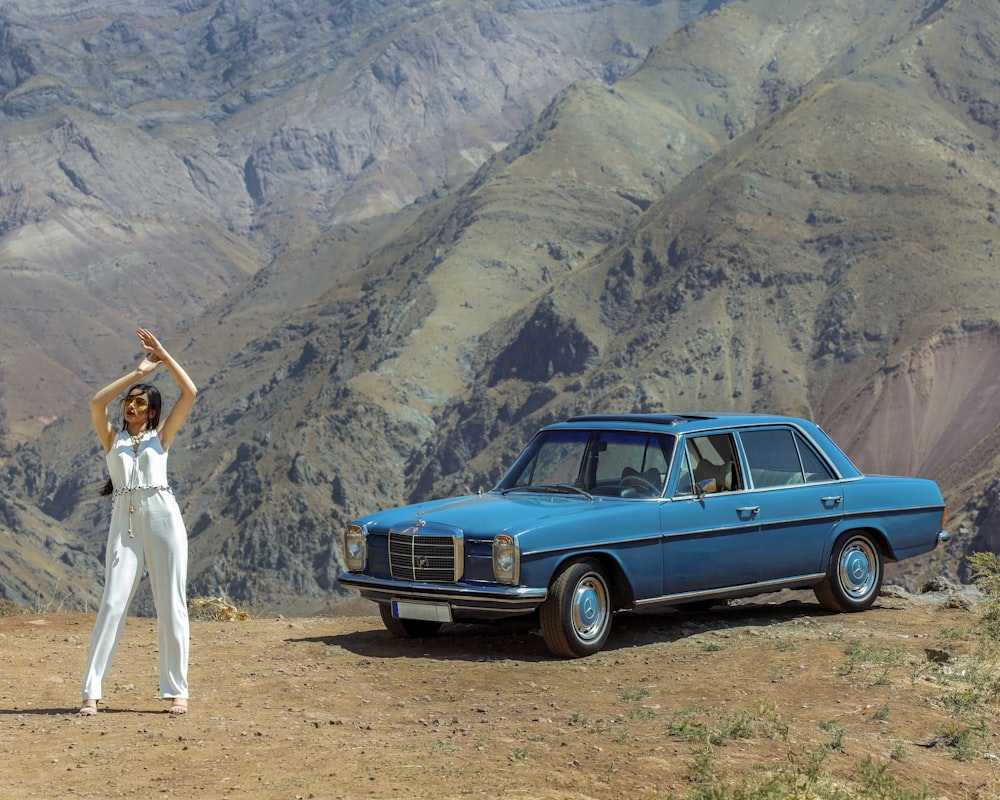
(138, 401)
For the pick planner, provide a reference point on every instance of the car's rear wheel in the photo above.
(576, 617)
(854, 575)
(406, 628)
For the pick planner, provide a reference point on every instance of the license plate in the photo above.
(434, 612)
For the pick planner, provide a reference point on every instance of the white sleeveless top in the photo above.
(145, 469)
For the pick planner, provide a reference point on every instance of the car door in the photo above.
(798, 500)
(711, 537)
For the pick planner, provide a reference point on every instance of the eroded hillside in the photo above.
(787, 207)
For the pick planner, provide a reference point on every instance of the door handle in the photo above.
(835, 501)
(750, 511)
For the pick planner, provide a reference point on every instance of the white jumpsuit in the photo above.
(147, 532)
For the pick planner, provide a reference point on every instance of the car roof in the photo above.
(694, 423)
(681, 422)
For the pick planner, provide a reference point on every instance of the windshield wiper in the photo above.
(556, 488)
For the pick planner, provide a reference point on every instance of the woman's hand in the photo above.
(154, 352)
(147, 365)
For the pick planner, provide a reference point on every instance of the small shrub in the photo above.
(215, 609)
(984, 568)
(8, 608)
(871, 659)
(518, 754)
(635, 694)
(837, 743)
(960, 739)
(803, 775)
(735, 725)
(878, 784)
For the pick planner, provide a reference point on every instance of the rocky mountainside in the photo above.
(783, 207)
(157, 154)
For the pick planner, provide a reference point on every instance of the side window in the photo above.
(812, 465)
(774, 458)
(685, 482)
(709, 458)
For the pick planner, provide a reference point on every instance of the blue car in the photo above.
(603, 513)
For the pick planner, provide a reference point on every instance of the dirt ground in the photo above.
(334, 707)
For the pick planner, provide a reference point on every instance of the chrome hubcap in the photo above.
(857, 568)
(590, 608)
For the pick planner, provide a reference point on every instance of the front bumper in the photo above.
(466, 601)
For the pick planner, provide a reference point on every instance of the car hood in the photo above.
(486, 515)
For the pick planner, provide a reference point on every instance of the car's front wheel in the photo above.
(576, 617)
(854, 575)
(406, 628)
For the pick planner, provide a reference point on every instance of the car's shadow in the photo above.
(521, 640)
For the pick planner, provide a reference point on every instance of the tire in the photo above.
(406, 628)
(576, 617)
(854, 575)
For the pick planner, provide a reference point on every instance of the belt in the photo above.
(131, 508)
(128, 489)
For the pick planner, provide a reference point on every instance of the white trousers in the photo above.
(159, 546)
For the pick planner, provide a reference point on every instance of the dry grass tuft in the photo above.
(216, 608)
(8, 608)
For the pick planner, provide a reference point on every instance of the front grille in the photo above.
(416, 554)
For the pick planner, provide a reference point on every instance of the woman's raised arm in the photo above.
(99, 402)
(156, 353)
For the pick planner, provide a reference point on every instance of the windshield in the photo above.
(610, 463)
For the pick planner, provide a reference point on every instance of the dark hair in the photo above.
(155, 407)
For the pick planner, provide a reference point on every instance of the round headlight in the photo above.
(355, 548)
(506, 559)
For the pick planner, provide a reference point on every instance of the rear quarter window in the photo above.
(780, 457)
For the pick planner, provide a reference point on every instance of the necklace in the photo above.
(136, 439)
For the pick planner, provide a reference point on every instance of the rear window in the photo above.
(780, 457)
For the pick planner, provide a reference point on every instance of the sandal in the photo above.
(178, 706)
(89, 708)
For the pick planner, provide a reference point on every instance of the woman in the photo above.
(147, 532)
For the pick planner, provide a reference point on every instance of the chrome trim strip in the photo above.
(723, 590)
(500, 595)
(886, 511)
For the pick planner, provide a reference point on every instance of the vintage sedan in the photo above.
(604, 513)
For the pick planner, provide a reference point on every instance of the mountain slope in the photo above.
(788, 207)
(156, 155)
(836, 261)
(752, 284)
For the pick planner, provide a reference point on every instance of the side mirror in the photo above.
(707, 486)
